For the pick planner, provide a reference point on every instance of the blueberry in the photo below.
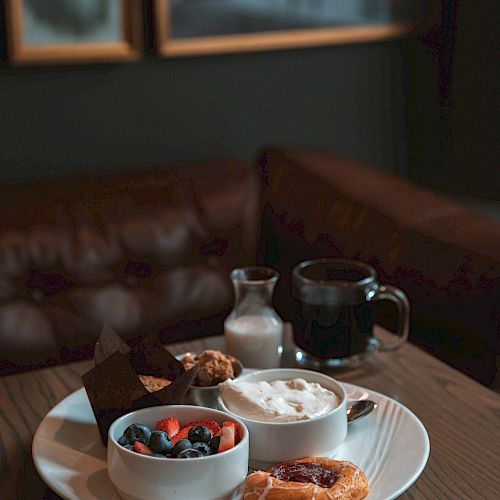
(123, 440)
(160, 442)
(203, 448)
(129, 447)
(189, 453)
(183, 444)
(199, 434)
(157, 455)
(214, 444)
(137, 432)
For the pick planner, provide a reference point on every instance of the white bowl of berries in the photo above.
(177, 451)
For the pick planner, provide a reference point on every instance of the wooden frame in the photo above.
(270, 40)
(129, 48)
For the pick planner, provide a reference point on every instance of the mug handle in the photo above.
(400, 300)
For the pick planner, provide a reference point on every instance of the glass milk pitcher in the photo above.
(253, 330)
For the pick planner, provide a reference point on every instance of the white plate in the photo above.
(391, 446)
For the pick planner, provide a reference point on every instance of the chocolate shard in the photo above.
(108, 343)
(149, 357)
(113, 385)
(173, 393)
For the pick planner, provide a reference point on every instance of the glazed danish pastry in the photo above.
(315, 478)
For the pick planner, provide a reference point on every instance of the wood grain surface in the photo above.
(461, 416)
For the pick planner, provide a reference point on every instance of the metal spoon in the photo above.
(359, 409)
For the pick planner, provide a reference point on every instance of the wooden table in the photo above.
(461, 416)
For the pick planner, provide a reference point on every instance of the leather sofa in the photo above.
(146, 251)
(445, 257)
(151, 250)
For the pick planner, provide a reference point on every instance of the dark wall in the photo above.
(423, 108)
(453, 101)
(66, 119)
(475, 98)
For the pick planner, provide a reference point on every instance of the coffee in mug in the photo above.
(334, 313)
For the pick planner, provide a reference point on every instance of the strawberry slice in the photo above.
(212, 426)
(237, 436)
(227, 438)
(142, 448)
(182, 434)
(169, 425)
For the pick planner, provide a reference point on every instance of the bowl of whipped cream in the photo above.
(290, 413)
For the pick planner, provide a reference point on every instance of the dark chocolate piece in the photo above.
(108, 343)
(113, 385)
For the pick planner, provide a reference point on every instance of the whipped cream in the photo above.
(279, 400)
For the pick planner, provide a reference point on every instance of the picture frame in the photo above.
(170, 45)
(102, 31)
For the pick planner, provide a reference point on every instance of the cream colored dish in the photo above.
(275, 441)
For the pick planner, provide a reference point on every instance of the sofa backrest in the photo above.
(446, 258)
(145, 250)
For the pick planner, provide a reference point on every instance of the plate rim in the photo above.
(427, 442)
(411, 480)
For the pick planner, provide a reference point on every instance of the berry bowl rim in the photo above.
(228, 416)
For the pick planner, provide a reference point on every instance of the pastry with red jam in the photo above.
(316, 478)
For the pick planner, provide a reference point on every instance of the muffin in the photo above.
(153, 384)
(214, 367)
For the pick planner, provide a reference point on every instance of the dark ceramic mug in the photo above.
(334, 313)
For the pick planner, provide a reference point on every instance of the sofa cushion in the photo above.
(143, 250)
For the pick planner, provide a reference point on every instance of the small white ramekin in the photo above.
(272, 442)
(140, 477)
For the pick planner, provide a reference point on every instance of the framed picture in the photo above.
(70, 31)
(198, 27)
